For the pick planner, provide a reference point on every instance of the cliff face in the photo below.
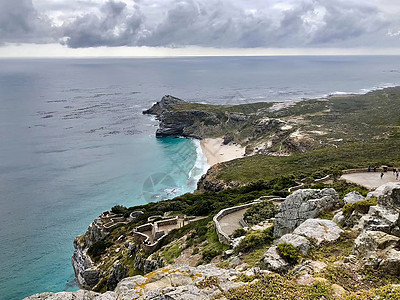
(85, 270)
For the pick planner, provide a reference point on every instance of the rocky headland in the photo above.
(319, 237)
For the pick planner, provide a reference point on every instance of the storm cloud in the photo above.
(211, 23)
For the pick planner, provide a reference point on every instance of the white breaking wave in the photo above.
(201, 166)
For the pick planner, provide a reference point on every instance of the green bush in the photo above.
(289, 253)
(119, 210)
(255, 240)
(260, 212)
(238, 232)
(361, 207)
(207, 254)
(319, 290)
(99, 248)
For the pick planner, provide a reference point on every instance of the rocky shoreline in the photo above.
(366, 228)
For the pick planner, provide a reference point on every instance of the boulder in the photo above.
(172, 282)
(272, 261)
(297, 241)
(302, 205)
(319, 230)
(339, 218)
(353, 197)
(309, 267)
(385, 215)
(118, 272)
(378, 250)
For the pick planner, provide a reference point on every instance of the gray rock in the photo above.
(297, 241)
(118, 272)
(319, 230)
(309, 267)
(353, 197)
(339, 218)
(391, 262)
(272, 261)
(370, 242)
(379, 250)
(78, 295)
(172, 282)
(302, 205)
(385, 215)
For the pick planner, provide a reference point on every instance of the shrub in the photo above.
(238, 232)
(289, 252)
(207, 254)
(255, 240)
(361, 207)
(119, 210)
(260, 212)
(319, 290)
(99, 248)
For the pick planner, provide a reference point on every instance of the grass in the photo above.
(351, 155)
(171, 253)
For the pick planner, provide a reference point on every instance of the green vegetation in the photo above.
(256, 239)
(98, 248)
(260, 212)
(351, 155)
(289, 253)
(238, 232)
(171, 253)
(119, 210)
(278, 287)
(361, 207)
(332, 251)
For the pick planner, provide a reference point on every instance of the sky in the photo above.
(198, 27)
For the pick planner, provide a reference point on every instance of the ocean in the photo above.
(74, 142)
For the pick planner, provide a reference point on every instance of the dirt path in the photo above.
(370, 180)
(230, 222)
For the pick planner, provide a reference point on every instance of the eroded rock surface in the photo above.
(302, 205)
(178, 283)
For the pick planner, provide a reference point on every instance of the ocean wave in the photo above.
(200, 166)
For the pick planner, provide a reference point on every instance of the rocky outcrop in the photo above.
(311, 231)
(302, 205)
(274, 262)
(166, 103)
(209, 183)
(385, 215)
(298, 241)
(86, 273)
(378, 250)
(118, 272)
(319, 230)
(353, 197)
(148, 265)
(180, 282)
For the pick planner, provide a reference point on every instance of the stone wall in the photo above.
(222, 236)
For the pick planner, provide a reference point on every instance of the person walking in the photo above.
(382, 175)
(397, 175)
(374, 168)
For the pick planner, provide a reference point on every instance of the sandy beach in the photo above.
(216, 152)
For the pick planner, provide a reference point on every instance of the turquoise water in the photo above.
(73, 141)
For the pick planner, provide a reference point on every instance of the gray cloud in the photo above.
(211, 23)
(21, 23)
(116, 26)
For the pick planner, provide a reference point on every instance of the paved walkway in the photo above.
(230, 223)
(370, 180)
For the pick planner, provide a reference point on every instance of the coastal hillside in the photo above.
(279, 220)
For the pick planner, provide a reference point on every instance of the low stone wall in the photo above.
(145, 227)
(222, 236)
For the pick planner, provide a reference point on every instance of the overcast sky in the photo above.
(173, 27)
